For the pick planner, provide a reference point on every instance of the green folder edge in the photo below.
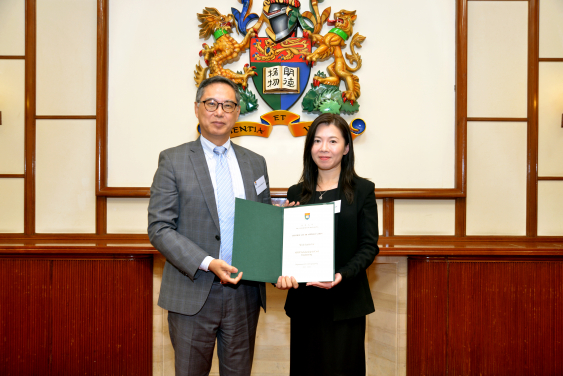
(258, 241)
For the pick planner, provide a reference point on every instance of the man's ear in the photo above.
(195, 109)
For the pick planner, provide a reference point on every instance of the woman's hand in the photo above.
(327, 285)
(286, 283)
(288, 204)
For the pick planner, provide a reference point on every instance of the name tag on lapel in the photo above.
(336, 207)
(260, 185)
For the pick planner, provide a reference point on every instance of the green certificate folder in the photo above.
(258, 244)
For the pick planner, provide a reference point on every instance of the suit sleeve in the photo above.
(163, 212)
(368, 234)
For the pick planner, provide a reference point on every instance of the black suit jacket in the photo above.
(355, 249)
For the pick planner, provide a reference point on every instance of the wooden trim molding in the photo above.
(395, 246)
(497, 119)
(10, 57)
(66, 117)
(553, 178)
(461, 115)
(532, 147)
(139, 192)
(388, 217)
(550, 59)
(460, 217)
(30, 102)
(424, 193)
(12, 176)
(102, 115)
(101, 216)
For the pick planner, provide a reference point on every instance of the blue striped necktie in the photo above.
(225, 203)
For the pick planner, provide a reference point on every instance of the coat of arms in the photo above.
(282, 71)
(281, 62)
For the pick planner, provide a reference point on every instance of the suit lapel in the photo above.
(246, 172)
(199, 164)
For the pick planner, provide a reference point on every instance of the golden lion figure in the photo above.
(224, 50)
(331, 45)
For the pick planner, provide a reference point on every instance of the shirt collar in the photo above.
(208, 146)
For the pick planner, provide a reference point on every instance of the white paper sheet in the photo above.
(308, 243)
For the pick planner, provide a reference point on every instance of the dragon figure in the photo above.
(224, 50)
(331, 45)
(290, 47)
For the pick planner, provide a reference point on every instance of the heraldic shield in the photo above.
(282, 70)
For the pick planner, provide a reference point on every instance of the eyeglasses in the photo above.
(211, 105)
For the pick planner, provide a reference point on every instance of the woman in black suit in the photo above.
(328, 319)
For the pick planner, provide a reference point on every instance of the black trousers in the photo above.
(320, 346)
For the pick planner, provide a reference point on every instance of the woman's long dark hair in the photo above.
(310, 169)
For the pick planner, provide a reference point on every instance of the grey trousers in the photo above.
(229, 315)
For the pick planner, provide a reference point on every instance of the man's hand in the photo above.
(286, 283)
(327, 285)
(223, 271)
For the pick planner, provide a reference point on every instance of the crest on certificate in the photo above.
(307, 215)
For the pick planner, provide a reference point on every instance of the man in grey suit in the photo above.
(191, 217)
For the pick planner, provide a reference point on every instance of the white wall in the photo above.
(407, 100)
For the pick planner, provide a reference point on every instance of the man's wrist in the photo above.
(205, 263)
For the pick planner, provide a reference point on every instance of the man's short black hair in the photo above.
(216, 80)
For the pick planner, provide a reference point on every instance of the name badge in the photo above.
(336, 206)
(260, 185)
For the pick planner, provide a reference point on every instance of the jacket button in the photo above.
(217, 237)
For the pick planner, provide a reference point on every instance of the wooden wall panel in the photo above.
(76, 316)
(505, 318)
(25, 303)
(103, 317)
(427, 316)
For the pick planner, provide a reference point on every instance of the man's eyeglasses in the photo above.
(211, 105)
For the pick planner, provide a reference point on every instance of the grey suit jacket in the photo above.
(184, 224)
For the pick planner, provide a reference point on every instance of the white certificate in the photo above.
(308, 243)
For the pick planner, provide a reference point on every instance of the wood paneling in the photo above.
(72, 315)
(25, 306)
(504, 317)
(427, 317)
(104, 317)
